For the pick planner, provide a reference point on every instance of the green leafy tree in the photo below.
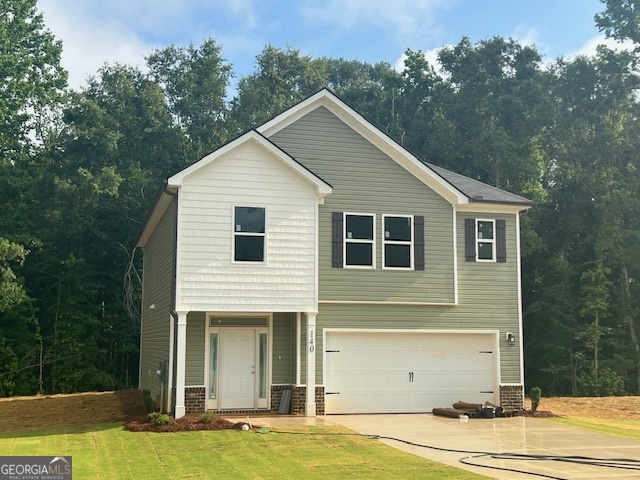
(194, 81)
(31, 74)
(282, 78)
(493, 109)
(595, 289)
(620, 20)
(32, 86)
(101, 174)
(590, 217)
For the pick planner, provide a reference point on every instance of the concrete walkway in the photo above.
(513, 435)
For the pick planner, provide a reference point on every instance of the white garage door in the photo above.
(374, 372)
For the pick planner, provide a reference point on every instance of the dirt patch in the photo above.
(606, 408)
(185, 424)
(45, 411)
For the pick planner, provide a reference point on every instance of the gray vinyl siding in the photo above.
(194, 375)
(284, 348)
(158, 270)
(488, 300)
(365, 180)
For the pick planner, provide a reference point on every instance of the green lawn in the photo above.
(108, 451)
(627, 428)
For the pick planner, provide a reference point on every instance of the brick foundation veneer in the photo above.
(194, 400)
(298, 399)
(512, 396)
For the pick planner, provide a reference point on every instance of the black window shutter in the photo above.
(470, 239)
(418, 242)
(337, 238)
(501, 241)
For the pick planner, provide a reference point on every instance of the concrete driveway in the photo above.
(501, 435)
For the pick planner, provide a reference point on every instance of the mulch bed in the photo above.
(537, 414)
(188, 423)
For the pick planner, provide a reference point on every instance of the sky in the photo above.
(95, 32)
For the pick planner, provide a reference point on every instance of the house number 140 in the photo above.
(311, 347)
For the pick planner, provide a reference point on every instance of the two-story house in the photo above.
(315, 254)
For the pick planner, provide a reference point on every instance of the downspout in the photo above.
(172, 308)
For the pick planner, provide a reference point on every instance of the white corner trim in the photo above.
(310, 407)
(170, 373)
(455, 257)
(298, 342)
(519, 280)
(181, 351)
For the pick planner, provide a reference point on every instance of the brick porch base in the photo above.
(194, 400)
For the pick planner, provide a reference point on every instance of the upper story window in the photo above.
(485, 240)
(359, 243)
(249, 234)
(397, 241)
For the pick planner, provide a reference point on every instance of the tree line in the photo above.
(79, 168)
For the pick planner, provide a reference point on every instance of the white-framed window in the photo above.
(249, 237)
(397, 242)
(485, 240)
(359, 240)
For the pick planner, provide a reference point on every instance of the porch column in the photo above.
(310, 410)
(181, 349)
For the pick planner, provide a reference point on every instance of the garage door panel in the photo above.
(374, 372)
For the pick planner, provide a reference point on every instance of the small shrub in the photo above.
(148, 402)
(606, 384)
(207, 417)
(160, 418)
(535, 393)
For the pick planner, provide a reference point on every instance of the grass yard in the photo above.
(612, 415)
(627, 429)
(107, 451)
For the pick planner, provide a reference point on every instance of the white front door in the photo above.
(237, 368)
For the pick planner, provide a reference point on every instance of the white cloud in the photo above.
(89, 41)
(430, 55)
(95, 32)
(406, 18)
(528, 36)
(590, 46)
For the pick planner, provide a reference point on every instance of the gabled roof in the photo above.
(173, 183)
(477, 191)
(326, 98)
(254, 137)
(457, 189)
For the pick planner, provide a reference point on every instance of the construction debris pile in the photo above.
(475, 410)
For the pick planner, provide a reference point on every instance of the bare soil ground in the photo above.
(605, 408)
(46, 411)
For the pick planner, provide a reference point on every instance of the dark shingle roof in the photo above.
(478, 191)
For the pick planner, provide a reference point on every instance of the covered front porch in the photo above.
(243, 362)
